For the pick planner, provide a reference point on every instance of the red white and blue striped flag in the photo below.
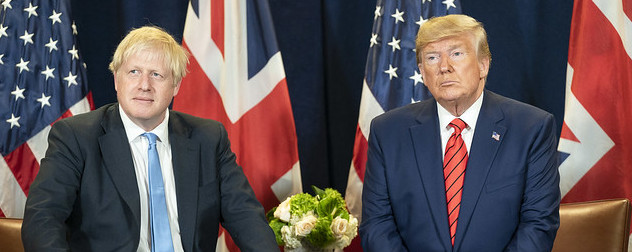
(392, 78)
(42, 79)
(236, 76)
(596, 144)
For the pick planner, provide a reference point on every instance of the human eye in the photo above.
(458, 54)
(156, 75)
(431, 59)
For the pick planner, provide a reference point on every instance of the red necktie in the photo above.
(454, 163)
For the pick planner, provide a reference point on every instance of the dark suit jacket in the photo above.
(85, 197)
(511, 190)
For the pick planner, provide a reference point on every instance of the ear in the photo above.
(421, 72)
(177, 88)
(483, 66)
(115, 81)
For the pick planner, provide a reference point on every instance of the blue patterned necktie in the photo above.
(160, 231)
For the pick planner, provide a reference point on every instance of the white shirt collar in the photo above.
(133, 131)
(470, 116)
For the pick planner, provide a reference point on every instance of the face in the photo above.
(453, 72)
(145, 87)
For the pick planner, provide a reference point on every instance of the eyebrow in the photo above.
(452, 47)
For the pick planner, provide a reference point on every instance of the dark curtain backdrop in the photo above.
(324, 45)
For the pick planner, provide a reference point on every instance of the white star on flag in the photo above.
(52, 45)
(49, 72)
(71, 79)
(421, 21)
(44, 100)
(19, 93)
(28, 38)
(416, 78)
(392, 72)
(55, 17)
(23, 65)
(448, 4)
(73, 52)
(373, 40)
(7, 4)
(378, 12)
(395, 44)
(31, 10)
(398, 16)
(3, 31)
(14, 121)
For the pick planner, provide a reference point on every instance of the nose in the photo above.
(144, 84)
(445, 66)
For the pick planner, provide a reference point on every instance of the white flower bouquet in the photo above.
(320, 222)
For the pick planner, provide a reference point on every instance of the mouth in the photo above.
(143, 99)
(448, 83)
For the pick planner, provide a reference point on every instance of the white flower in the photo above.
(339, 227)
(283, 211)
(344, 231)
(289, 238)
(304, 226)
(343, 242)
(352, 228)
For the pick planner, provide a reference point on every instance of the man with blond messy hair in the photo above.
(136, 176)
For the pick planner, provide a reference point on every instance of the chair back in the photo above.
(602, 225)
(10, 235)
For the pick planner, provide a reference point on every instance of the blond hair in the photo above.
(438, 28)
(152, 38)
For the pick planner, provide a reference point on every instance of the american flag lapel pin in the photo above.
(496, 136)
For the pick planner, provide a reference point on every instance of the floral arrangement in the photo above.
(313, 222)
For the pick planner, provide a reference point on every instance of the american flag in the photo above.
(392, 78)
(42, 79)
(237, 77)
(595, 142)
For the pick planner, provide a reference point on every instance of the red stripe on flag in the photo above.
(359, 153)
(568, 134)
(24, 166)
(257, 138)
(627, 8)
(602, 69)
(217, 24)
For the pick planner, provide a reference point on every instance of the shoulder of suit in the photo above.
(514, 106)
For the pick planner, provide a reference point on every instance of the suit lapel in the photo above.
(482, 154)
(118, 159)
(426, 143)
(186, 165)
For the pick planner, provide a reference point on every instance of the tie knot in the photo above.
(151, 137)
(458, 125)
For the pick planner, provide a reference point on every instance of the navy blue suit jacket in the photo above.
(85, 196)
(511, 190)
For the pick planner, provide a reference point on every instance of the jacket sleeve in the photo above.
(539, 216)
(53, 193)
(242, 215)
(378, 230)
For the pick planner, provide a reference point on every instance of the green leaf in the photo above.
(270, 214)
(302, 203)
(276, 226)
(321, 235)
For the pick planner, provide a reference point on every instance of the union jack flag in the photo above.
(42, 80)
(392, 78)
(595, 141)
(237, 77)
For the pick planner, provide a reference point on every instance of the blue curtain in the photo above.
(324, 45)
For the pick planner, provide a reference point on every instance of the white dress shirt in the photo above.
(139, 146)
(470, 116)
